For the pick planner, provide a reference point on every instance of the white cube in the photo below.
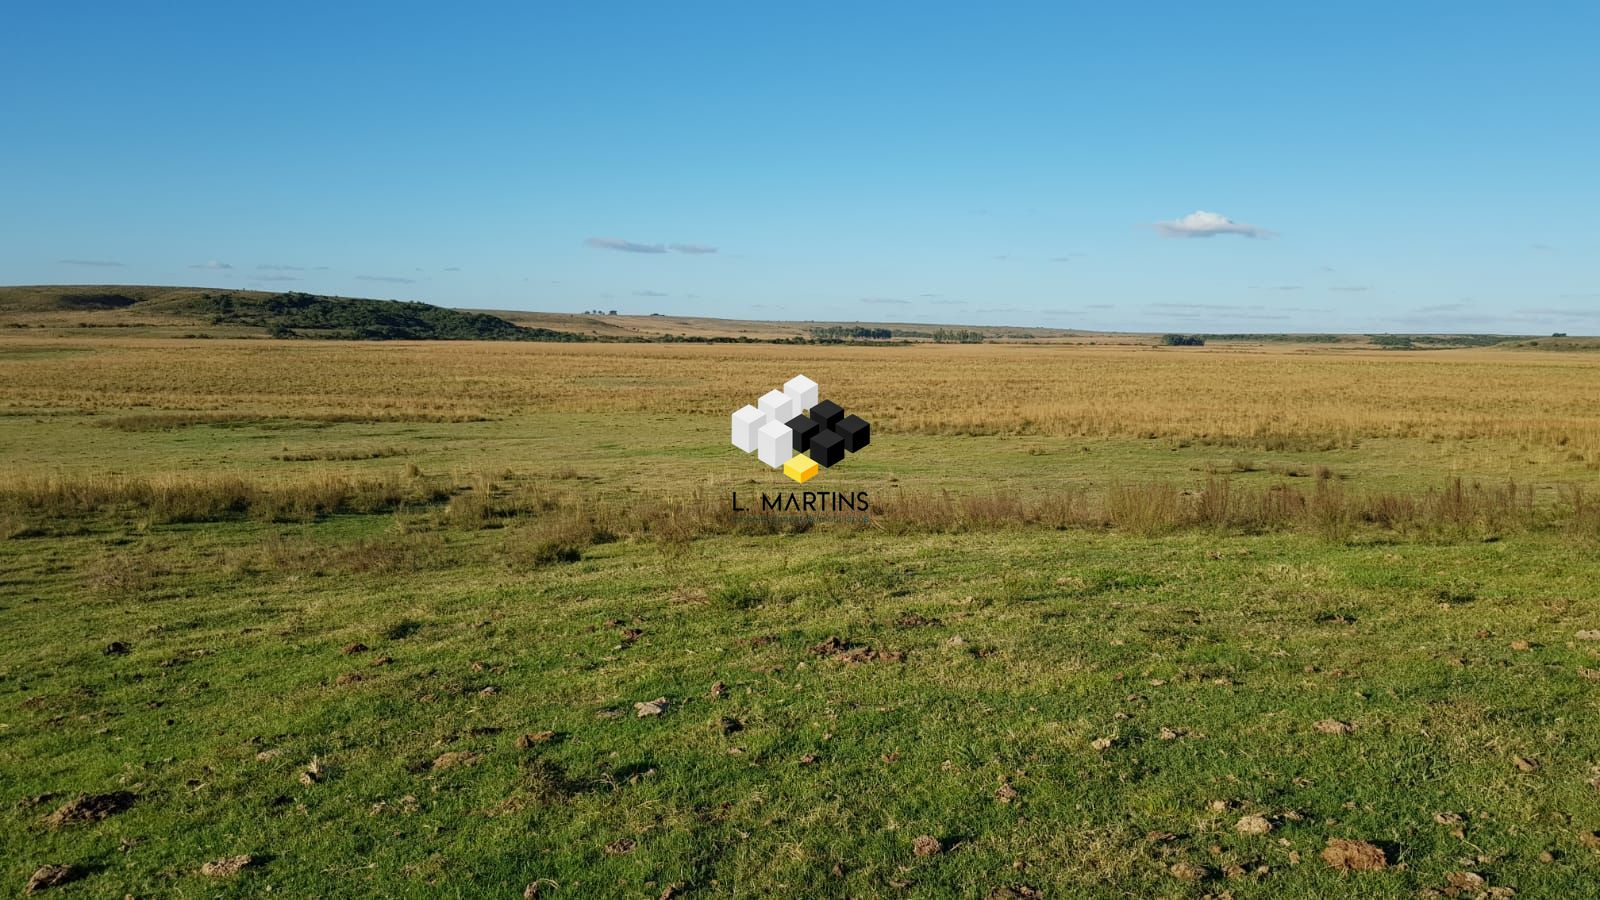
(747, 420)
(778, 406)
(776, 441)
(803, 391)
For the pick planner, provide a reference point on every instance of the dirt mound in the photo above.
(90, 808)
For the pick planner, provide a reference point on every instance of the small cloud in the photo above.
(274, 278)
(1443, 307)
(452, 268)
(211, 264)
(1003, 256)
(1101, 306)
(1275, 287)
(1351, 288)
(606, 243)
(1202, 224)
(386, 279)
(1543, 248)
(884, 300)
(92, 263)
(602, 243)
(1328, 268)
(927, 296)
(651, 294)
(949, 303)
(274, 267)
(1061, 312)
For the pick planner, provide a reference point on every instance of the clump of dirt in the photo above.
(117, 648)
(527, 741)
(50, 876)
(650, 707)
(1188, 871)
(1354, 856)
(1014, 892)
(849, 653)
(926, 845)
(1334, 726)
(353, 649)
(454, 759)
(90, 808)
(226, 867)
(1253, 825)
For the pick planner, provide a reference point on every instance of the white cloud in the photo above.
(1202, 224)
(211, 264)
(611, 243)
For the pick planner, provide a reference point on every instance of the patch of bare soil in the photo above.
(90, 808)
(1354, 856)
(227, 867)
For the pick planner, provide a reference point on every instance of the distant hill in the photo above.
(190, 312)
(281, 315)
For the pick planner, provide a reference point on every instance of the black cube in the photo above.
(855, 431)
(828, 413)
(827, 448)
(804, 427)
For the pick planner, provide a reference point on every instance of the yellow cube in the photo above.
(800, 467)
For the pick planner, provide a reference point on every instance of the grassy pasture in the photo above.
(378, 616)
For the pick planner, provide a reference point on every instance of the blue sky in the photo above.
(1356, 167)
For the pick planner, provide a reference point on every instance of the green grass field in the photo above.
(438, 696)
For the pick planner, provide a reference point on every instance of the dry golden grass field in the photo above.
(1251, 397)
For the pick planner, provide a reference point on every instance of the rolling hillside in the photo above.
(215, 312)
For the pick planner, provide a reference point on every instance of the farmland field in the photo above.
(390, 618)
